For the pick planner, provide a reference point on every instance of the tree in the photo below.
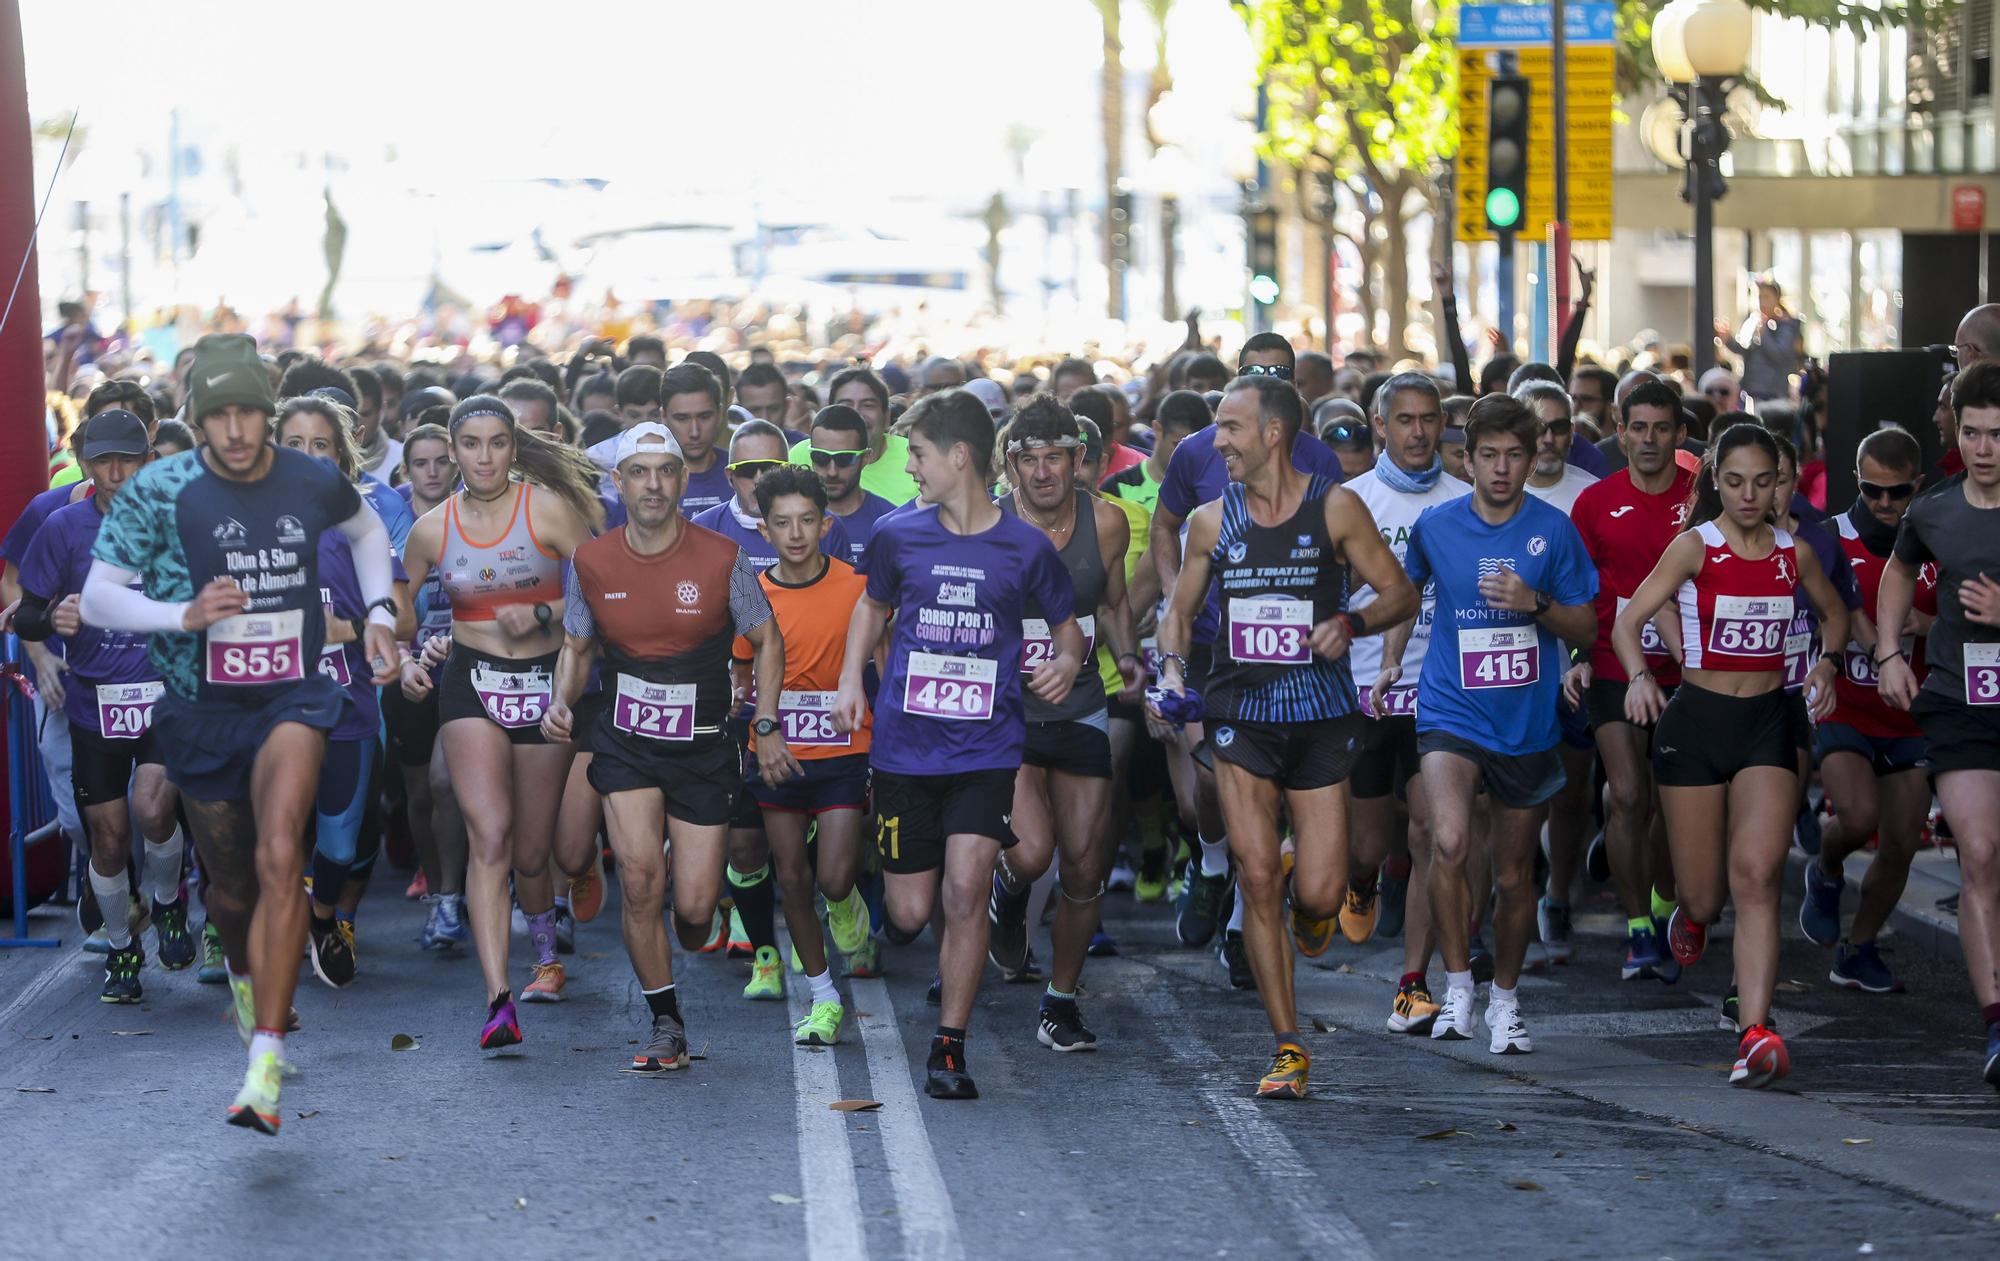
(1111, 88)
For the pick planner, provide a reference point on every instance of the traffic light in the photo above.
(1506, 152)
(1264, 256)
(1121, 228)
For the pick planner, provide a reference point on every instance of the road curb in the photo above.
(1916, 919)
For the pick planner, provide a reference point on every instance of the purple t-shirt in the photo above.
(1587, 457)
(54, 567)
(1196, 475)
(15, 547)
(705, 490)
(722, 519)
(861, 523)
(955, 654)
(340, 589)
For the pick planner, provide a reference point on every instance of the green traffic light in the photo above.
(1503, 208)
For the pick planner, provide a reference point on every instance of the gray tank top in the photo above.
(1085, 562)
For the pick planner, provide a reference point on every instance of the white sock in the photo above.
(1497, 997)
(161, 875)
(262, 1041)
(1236, 914)
(1214, 856)
(114, 901)
(822, 985)
(1458, 980)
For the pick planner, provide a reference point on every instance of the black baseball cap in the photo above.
(114, 431)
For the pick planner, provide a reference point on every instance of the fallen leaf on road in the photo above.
(854, 1105)
(701, 1054)
(1793, 987)
(1437, 1134)
(1347, 968)
(131, 1033)
(861, 1013)
(1522, 1184)
(1428, 1182)
(305, 1115)
(1320, 1026)
(1504, 1125)
(402, 1042)
(520, 1202)
(1857, 1142)
(404, 1156)
(779, 1197)
(1559, 1156)
(35, 1090)
(1642, 1177)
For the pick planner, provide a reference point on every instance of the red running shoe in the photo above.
(1687, 939)
(1760, 1059)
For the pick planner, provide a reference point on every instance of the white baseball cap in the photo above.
(648, 438)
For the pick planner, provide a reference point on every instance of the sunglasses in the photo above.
(839, 459)
(1897, 490)
(753, 468)
(1277, 370)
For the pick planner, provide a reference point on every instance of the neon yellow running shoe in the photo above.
(767, 977)
(849, 922)
(246, 1007)
(821, 1027)
(256, 1106)
(798, 964)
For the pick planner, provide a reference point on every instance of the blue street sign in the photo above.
(1528, 25)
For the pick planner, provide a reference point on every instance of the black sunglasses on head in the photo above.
(1895, 490)
(1278, 370)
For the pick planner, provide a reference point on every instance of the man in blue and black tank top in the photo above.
(1284, 726)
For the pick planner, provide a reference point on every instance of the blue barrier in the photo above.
(31, 802)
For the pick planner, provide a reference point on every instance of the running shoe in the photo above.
(849, 923)
(821, 1027)
(1101, 945)
(256, 1106)
(419, 887)
(1861, 968)
(867, 961)
(1482, 959)
(1806, 831)
(177, 948)
(1393, 896)
(1597, 859)
(1819, 913)
(718, 933)
(586, 892)
(565, 925)
(1007, 946)
(739, 937)
(1315, 937)
(446, 926)
(1359, 911)
(666, 1050)
(1685, 938)
(1731, 1018)
(944, 1072)
(1509, 1035)
(121, 975)
(1669, 969)
(1552, 922)
(1236, 958)
(1288, 1074)
(1151, 884)
(934, 996)
(503, 1024)
(1121, 879)
(1062, 1027)
(1760, 1059)
(245, 1001)
(332, 957)
(1453, 1022)
(547, 987)
(1993, 1056)
(1412, 1011)
(767, 977)
(213, 971)
(1642, 956)
(1200, 907)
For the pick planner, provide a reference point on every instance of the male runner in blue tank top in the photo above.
(1284, 727)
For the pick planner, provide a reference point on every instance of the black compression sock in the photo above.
(329, 878)
(664, 1001)
(756, 904)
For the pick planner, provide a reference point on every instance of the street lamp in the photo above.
(1700, 46)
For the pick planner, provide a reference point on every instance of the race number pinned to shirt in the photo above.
(654, 711)
(513, 699)
(252, 649)
(1038, 646)
(1499, 656)
(1749, 626)
(956, 688)
(1650, 642)
(807, 718)
(125, 710)
(333, 664)
(1270, 630)
(1798, 658)
(1982, 674)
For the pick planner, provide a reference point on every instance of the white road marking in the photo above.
(826, 1158)
(56, 971)
(930, 1225)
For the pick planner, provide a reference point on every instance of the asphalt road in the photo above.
(1617, 1137)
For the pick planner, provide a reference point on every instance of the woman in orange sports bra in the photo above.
(498, 546)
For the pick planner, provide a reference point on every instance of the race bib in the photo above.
(1982, 674)
(251, 649)
(1038, 647)
(1270, 630)
(654, 711)
(1397, 702)
(1149, 655)
(511, 699)
(333, 664)
(125, 710)
(1747, 626)
(1650, 642)
(957, 688)
(807, 718)
(1798, 659)
(1859, 664)
(1500, 656)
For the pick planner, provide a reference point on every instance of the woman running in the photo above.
(1724, 752)
(324, 429)
(498, 547)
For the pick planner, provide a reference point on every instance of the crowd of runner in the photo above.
(1306, 652)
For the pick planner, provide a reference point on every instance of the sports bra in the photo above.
(513, 569)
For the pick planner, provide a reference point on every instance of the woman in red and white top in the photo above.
(1723, 751)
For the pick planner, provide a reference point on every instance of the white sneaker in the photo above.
(1454, 1018)
(1121, 879)
(1510, 1036)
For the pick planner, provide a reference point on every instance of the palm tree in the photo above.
(1112, 89)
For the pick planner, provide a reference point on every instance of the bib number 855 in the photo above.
(258, 661)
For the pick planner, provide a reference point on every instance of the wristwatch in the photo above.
(1542, 603)
(764, 726)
